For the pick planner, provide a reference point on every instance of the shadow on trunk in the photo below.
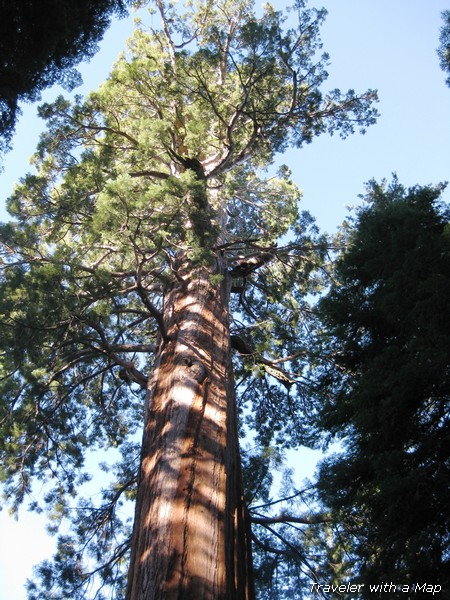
(191, 535)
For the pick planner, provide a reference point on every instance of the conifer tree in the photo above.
(384, 387)
(146, 254)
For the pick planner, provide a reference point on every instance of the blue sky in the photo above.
(389, 45)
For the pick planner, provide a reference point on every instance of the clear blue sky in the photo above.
(385, 44)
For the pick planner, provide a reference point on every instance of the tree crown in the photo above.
(165, 163)
(385, 387)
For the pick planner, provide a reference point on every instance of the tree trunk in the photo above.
(191, 533)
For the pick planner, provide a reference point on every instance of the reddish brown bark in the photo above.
(191, 539)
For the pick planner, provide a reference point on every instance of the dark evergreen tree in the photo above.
(41, 41)
(386, 387)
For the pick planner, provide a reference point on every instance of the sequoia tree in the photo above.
(386, 386)
(143, 254)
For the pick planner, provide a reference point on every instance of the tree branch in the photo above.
(298, 493)
(266, 547)
(155, 174)
(156, 314)
(270, 366)
(165, 23)
(242, 266)
(286, 518)
(295, 550)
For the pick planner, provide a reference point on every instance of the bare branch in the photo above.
(169, 41)
(286, 518)
(266, 547)
(295, 550)
(299, 493)
(156, 314)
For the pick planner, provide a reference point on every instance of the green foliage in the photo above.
(297, 548)
(444, 45)
(160, 170)
(385, 388)
(40, 43)
(274, 313)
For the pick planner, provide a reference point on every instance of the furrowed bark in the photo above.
(191, 536)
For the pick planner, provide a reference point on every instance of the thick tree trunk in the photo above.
(191, 534)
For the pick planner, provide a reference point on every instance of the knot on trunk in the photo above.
(193, 368)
